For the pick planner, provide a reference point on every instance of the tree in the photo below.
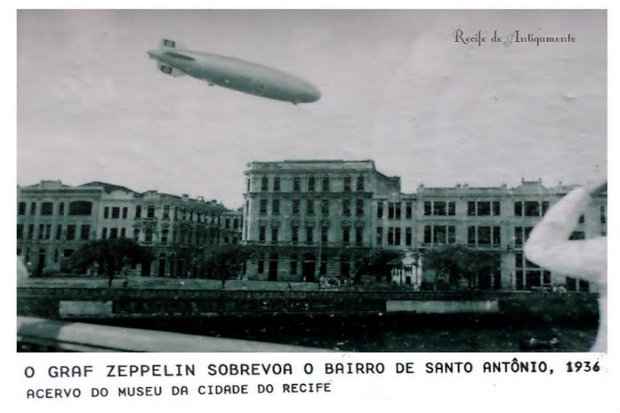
(377, 263)
(109, 254)
(227, 261)
(192, 259)
(459, 262)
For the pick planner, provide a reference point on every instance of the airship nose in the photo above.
(316, 94)
(311, 93)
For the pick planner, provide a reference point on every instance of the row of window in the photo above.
(116, 212)
(394, 210)
(431, 208)
(477, 235)
(486, 208)
(76, 208)
(483, 208)
(179, 213)
(311, 184)
(484, 235)
(439, 208)
(481, 235)
(44, 232)
(183, 237)
(394, 236)
(439, 234)
(305, 265)
(84, 208)
(310, 207)
(531, 208)
(527, 279)
(349, 235)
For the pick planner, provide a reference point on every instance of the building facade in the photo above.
(316, 218)
(310, 219)
(54, 219)
(500, 219)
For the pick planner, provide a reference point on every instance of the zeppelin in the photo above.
(233, 73)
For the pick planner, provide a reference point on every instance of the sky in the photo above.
(396, 87)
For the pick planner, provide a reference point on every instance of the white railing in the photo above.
(39, 334)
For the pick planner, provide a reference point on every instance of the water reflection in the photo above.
(389, 333)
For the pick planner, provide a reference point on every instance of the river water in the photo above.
(374, 333)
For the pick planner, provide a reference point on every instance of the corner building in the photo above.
(54, 220)
(311, 218)
(500, 219)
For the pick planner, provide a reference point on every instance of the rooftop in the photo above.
(108, 188)
(314, 164)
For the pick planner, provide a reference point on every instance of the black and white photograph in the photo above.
(357, 181)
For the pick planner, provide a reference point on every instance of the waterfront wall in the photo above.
(131, 303)
(443, 306)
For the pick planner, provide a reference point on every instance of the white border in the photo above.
(451, 393)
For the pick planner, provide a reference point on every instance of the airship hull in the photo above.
(236, 74)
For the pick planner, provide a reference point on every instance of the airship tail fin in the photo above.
(170, 43)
